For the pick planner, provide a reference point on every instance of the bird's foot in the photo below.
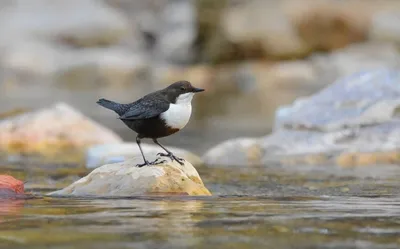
(147, 163)
(158, 161)
(173, 157)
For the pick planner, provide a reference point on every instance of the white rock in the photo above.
(125, 179)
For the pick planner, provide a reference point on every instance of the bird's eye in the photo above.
(183, 88)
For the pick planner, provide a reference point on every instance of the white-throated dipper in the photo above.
(158, 114)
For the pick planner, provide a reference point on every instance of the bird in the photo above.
(157, 114)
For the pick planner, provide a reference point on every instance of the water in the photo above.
(222, 222)
(263, 207)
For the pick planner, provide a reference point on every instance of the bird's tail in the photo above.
(116, 107)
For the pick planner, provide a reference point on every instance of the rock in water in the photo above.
(52, 129)
(125, 179)
(9, 186)
(242, 151)
(98, 155)
(355, 121)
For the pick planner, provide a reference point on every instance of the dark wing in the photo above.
(146, 108)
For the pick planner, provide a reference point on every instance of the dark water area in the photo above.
(261, 207)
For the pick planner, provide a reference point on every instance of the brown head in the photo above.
(181, 92)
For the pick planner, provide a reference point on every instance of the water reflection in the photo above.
(265, 207)
(228, 222)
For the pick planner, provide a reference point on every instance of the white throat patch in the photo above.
(178, 114)
(184, 98)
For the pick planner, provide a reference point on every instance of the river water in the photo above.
(260, 207)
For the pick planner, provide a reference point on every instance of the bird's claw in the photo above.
(159, 162)
(147, 163)
(172, 157)
(162, 154)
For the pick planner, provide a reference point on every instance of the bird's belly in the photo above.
(151, 128)
(177, 116)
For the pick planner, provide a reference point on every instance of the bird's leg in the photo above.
(146, 163)
(169, 153)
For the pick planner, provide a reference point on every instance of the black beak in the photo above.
(197, 90)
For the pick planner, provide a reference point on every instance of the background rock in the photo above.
(125, 179)
(10, 187)
(52, 129)
(41, 19)
(384, 26)
(357, 115)
(355, 58)
(113, 153)
(235, 152)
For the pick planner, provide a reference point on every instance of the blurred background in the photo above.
(251, 56)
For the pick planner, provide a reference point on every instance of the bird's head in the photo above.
(181, 92)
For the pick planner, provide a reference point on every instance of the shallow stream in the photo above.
(264, 207)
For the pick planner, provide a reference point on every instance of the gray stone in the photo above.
(125, 179)
(241, 151)
(385, 26)
(355, 58)
(365, 98)
(167, 27)
(177, 32)
(60, 64)
(81, 23)
(112, 153)
(356, 115)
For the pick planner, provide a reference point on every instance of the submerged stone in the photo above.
(125, 179)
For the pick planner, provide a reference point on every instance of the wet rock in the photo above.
(353, 122)
(9, 186)
(125, 179)
(113, 153)
(52, 129)
(78, 23)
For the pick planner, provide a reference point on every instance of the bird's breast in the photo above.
(177, 115)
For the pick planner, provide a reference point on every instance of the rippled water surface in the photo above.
(251, 208)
